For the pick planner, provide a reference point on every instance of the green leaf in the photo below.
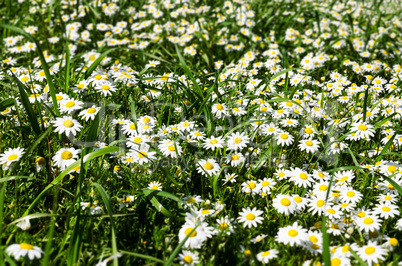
(27, 105)
(108, 204)
(141, 256)
(6, 103)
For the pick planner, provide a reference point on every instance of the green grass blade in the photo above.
(146, 257)
(28, 107)
(178, 248)
(108, 204)
(6, 103)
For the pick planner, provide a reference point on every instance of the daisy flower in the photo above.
(284, 138)
(308, 145)
(284, 204)
(317, 204)
(372, 253)
(250, 217)
(225, 225)
(386, 210)
(268, 255)
(208, 167)
(350, 195)
(170, 148)
(292, 235)
(369, 222)
(67, 125)
(106, 88)
(220, 109)
(143, 155)
(196, 238)
(235, 159)
(24, 250)
(126, 200)
(363, 130)
(188, 258)
(229, 178)
(65, 156)
(250, 186)
(90, 113)
(70, 105)
(237, 141)
(155, 185)
(267, 184)
(24, 224)
(11, 155)
(213, 142)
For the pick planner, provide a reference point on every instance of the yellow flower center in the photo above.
(303, 176)
(331, 211)
(219, 107)
(188, 231)
(350, 194)
(235, 157)
(361, 214)
(59, 97)
(208, 165)
(369, 250)
(386, 209)
(132, 127)
(223, 226)
(391, 169)
(68, 123)
(265, 183)
(323, 188)
(24, 79)
(171, 148)
(250, 216)
(70, 104)
(388, 198)
(313, 239)
(154, 187)
(393, 241)
(292, 233)
(40, 160)
(213, 141)
(237, 140)
(285, 202)
(146, 120)
(336, 262)
(12, 157)
(26, 246)
(320, 203)
(368, 221)
(91, 110)
(251, 185)
(187, 259)
(309, 143)
(284, 136)
(105, 87)
(362, 127)
(142, 154)
(66, 155)
(98, 77)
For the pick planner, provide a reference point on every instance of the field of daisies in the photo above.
(200, 132)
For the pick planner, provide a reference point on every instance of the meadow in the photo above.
(200, 132)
